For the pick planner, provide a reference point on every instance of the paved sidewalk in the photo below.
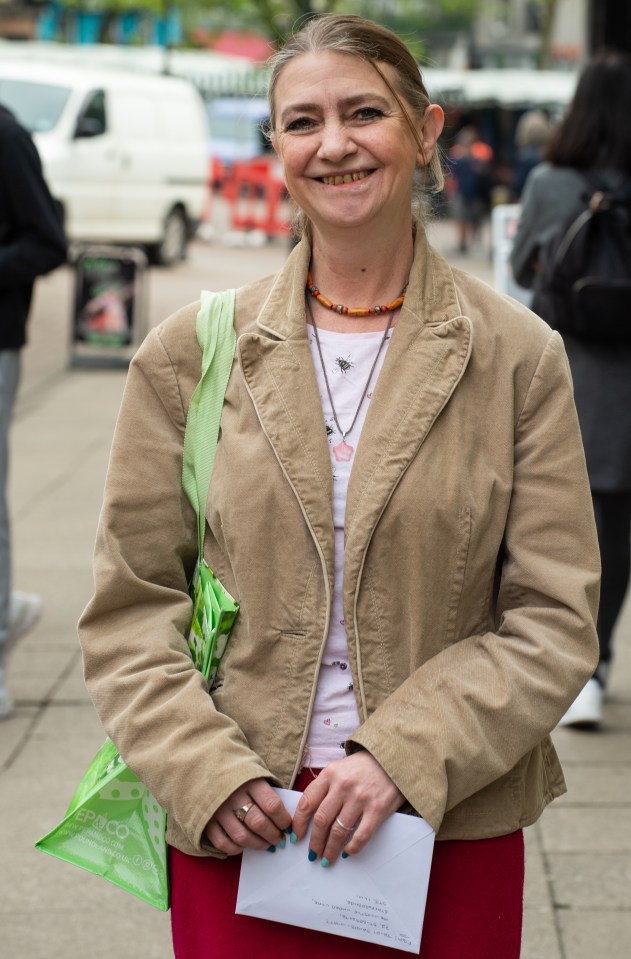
(578, 894)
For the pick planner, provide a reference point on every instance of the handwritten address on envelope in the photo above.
(361, 915)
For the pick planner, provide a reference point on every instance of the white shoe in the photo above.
(6, 703)
(24, 611)
(586, 711)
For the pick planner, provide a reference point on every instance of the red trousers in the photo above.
(474, 909)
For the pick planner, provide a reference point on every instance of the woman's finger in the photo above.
(270, 805)
(245, 816)
(262, 834)
(333, 830)
(356, 840)
(308, 804)
(218, 838)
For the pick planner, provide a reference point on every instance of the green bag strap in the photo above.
(216, 336)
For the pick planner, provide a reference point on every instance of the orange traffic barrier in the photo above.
(257, 198)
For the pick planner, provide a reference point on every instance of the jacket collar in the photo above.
(426, 358)
(431, 295)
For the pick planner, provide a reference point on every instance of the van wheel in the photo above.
(172, 247)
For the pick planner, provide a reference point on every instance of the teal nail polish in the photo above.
(281, 843)
(312, 856)
(293, 838)
(345, 855)
(271, 849)
(324, 862)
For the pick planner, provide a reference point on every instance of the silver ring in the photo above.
(242, 811)
(342, 826)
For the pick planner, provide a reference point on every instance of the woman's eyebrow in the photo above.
(345, 103)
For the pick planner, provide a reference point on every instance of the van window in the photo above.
(37, 106)
(92, 121)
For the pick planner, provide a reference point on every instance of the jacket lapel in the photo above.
(280, 378)
(427, 356)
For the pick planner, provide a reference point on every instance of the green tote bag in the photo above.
(113, 826)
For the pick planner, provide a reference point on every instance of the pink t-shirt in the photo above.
(348, 358)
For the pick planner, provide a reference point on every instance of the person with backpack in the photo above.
(573, 248)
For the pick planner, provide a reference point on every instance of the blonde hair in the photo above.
(375, 45)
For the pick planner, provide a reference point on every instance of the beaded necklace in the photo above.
(354, 310)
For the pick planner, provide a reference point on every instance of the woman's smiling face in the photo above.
(347, 150)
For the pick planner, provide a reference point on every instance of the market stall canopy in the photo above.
(512, 89)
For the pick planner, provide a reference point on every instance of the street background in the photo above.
(578, 887)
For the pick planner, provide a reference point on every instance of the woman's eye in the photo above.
(299, 125)
(368, 113)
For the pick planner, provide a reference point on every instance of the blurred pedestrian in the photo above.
(470, 160)
(594, 136)
(32, 242)
(532, 133)
(400, 506)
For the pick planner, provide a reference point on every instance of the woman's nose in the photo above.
(335, 142)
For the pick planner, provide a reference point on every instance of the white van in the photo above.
(126, 154)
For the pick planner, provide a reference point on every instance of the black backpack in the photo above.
(585, 283)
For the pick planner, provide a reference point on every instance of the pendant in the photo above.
(343, 452)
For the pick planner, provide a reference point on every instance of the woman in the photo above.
(416, 605)
(594, 136)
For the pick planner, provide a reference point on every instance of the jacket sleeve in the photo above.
(467, 716)
(151, 700)
(528, 237)
(32, 241)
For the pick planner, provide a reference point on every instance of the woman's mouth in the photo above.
(338, 178)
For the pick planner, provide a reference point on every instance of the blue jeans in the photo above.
(10, 362)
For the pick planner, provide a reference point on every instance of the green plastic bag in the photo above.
(214, 613)
(114, 827)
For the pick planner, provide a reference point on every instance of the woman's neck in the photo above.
(358, 272)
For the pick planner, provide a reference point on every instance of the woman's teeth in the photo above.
(346, 178)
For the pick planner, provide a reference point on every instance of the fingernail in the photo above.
(281, 843)
(293, 838)
(312, 856)
(324, 862)
(271, 849)
(345, 855)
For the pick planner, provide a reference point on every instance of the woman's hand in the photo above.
(348, 800)
(262, 826)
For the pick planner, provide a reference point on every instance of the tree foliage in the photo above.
(277, 18)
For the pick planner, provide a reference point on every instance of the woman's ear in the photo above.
(433, 123)
(273, 139)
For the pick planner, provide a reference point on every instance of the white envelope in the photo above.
(377, 896)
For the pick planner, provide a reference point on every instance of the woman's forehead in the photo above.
(329, 70)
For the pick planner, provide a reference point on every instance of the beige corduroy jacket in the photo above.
(471, 565)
